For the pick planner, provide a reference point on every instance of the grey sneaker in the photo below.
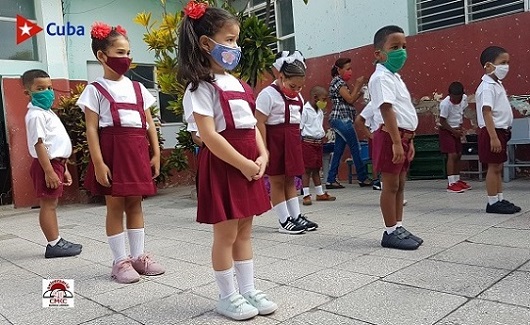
(63, 248)
(236, 307)
(409, 234)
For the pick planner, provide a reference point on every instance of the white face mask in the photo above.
(501, 71)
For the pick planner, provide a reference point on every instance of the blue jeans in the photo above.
(345, 134)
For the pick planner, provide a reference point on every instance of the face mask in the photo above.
(226, 56)
(289, 92)
(120, 65)
(347, 75)
(321, 104)
(43, 99)
(395, 60)
(501, 70)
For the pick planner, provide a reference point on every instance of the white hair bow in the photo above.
(288, 58)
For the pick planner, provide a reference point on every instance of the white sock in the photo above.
(117, 246)
(306, 191)
(457, 178)
(493, 199)
(399, 224)
(136, 241)
(451, 179)
(54, 242)
(282, 211)
(245, 275)
(500, 196)
(319, 190)
(293, 207)
(390, 230)
(225, 282)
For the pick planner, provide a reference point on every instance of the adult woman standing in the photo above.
(341, 120)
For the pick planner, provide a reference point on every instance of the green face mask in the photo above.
(43, 99)
(321, 104)
(395, 60)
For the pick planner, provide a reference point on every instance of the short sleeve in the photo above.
(200, 101)
(488, 97)
(383, 90)
(304, 118)
(35, 128)
(89, 98)
(465, 103)
(149, 99)
(444, 109)
(264, 102)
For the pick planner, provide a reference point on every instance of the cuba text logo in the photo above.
(26, 29)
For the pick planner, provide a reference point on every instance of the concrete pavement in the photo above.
(474, 268)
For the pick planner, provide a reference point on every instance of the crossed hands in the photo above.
(254, 170)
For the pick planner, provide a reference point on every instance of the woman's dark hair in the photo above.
(340, 63)
(490, 54)
(193, 61)
(295, 69)
(103, 44)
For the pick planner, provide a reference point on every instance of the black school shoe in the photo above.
(63, 248)
(500, 208)
(398, 240)
(334, 186)
(506, 202)
(367, 182)
(410, 235)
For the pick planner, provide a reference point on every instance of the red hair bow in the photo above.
(100, 30)
(195, 10)
(121, 30)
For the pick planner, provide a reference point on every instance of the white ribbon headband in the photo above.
(285, 57)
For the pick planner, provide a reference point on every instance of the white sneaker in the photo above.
(236, 307)
(259, 300)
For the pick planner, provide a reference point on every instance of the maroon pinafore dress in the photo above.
(284, 143)
(125, 151)
(223, 192)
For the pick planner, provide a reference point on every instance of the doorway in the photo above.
(6, 196)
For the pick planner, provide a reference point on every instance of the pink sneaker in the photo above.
(145, 265)
(123, 272)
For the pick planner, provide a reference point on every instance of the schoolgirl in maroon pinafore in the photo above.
(284, 142)
(222, 191)
(125, 150)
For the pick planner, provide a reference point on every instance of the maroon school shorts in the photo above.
(312, 153)
(484, 149)
(449, 143)
(382, 154)
(39, 179)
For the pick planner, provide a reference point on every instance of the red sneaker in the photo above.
(464, 185)
(455, 188)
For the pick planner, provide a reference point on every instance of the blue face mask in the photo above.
(225, 56)
(43, 99)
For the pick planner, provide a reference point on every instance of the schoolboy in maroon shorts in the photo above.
(50, 146)
(393, 147)
(494, 117)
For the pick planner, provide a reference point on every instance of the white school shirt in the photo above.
(453, 113)
(122, 91)
(387, 87)
(491, 93)
(205, 101)
(372, 117)
(46, 125)
(312, 121)
(270, 102)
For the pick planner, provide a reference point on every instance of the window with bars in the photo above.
(281, 21)
(437, 14)
(26, 51)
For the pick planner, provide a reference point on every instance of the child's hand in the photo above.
(261, 162)
(250, 169)
(399, 153)
(495, 145)
(103, 175)
(412, 152)
(155, 165)
(67, 178)
(52, 180)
